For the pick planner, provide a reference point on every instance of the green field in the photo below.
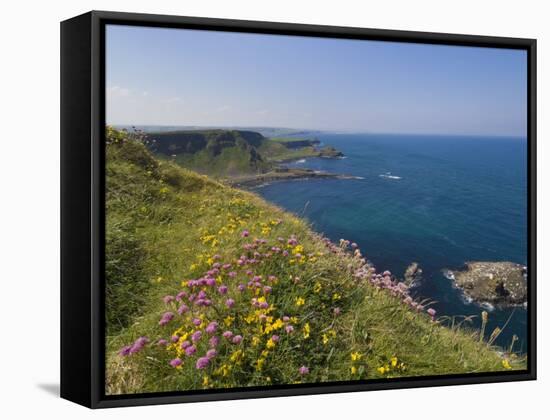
(305, 309)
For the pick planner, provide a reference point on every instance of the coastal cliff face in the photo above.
(233, 153)
(498, 283)
(217, 152)
(191, 259)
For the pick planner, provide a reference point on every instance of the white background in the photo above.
(29, 234)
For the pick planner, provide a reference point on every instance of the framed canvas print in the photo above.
(255, 209)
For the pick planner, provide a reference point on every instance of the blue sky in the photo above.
(161, 76)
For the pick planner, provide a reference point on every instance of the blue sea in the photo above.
(436, 200)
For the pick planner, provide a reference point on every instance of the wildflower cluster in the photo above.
(394, 365)
(226, 321)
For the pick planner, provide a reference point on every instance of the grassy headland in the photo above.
(231, 154)
(209, 287)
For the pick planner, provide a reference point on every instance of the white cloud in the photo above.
(117, 91)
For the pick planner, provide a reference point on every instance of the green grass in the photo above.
(165, 224)
(274, 151)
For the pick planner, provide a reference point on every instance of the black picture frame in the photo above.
(83, 215)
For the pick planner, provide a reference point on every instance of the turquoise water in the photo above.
(436, 200)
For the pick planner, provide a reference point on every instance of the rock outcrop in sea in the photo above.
(498, 283)
(412, 275)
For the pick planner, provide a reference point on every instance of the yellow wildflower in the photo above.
(325, 339)
(356, 356)
(393, 361)
(298, 249)
(306, 330)
(300, 301)
(506, 364)
(236, 356)
(260, 363)
(353, 370)
(383, 369)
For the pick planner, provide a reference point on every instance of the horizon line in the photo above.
(324, 131)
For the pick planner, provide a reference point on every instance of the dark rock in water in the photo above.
(413, 273)
(330, 152)
(499, 283)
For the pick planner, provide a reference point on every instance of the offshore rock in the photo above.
(498, 283)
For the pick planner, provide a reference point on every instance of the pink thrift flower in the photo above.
(182, 309)
(167, 299)
(185, 344)
(289, 329)
(202, 362)
(303, 370)
(166, 318)
(237, 339)
(245, 233)
(162, 342)
(275, 338)
(227, 334)
(222, 289)
(214, 341)
(176, 362)
(197, 321)
(229, 303)
(212, 327)
(196, 336)
(211, 353)
(181, 295)
(191, 350)
(138, 344)
(125, 351)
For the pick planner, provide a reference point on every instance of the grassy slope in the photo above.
(215, 152)
(164, 226)
(274, 151)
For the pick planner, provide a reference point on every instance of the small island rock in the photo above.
(500, 283)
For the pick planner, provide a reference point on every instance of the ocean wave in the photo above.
(448, 274)
(487, 306)
(467, 300)
(301, 161)
(388, 175)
